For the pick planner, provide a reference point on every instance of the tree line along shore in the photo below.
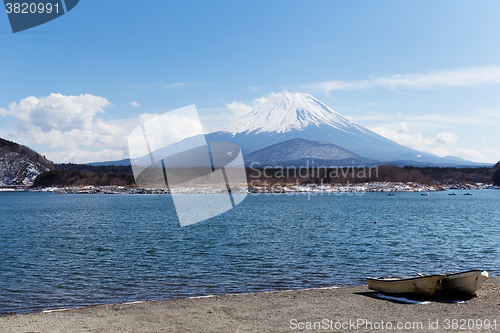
(74, 175)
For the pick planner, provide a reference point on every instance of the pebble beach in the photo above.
(355, 309)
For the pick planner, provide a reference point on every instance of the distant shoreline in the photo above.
(370, 187)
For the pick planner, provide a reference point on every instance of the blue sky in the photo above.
(425, 74)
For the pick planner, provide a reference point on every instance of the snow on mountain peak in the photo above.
(284, 112)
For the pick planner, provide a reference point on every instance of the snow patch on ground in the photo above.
(309, 188)
(340, 188)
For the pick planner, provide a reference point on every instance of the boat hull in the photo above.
(464, 283)
(425, 285)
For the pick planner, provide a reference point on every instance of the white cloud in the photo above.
(86, 156)
(469, 154)
(212, 118)
(437, 118)
(491, 151)
(134, 103)
(438, 145)
(57, 112)
(461, 77)
(67, 122)
(239, 108)
(170, 127)
(72, 131)
(256, 88)
(176, 85)
(490, 113)
(144, 117)
(492, 155)
(374, 117)
(163, 85)
(159, 131)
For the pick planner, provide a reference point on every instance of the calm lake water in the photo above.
(64, 251)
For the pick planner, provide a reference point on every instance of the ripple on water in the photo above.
(66, 251)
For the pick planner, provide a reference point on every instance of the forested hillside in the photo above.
(20, 165)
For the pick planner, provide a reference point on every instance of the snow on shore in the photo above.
(278, 188)
(339, 188)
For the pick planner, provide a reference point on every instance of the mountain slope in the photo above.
(299, 152)
(19, 165)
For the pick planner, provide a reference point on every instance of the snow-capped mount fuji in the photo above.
(286, 116)
(287, 112)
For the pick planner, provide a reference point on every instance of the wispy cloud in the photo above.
(134, 103)
(149, 85)
(470, 154)
(427, 119)
(85, 156)
(441, 144)
(402, 134)
(177, 85)
(163, 85)
(461, 77)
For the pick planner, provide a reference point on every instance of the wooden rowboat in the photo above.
(464, 283)
(422, 285)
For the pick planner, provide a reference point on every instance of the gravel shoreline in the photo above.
(353, 308)
(386, 187)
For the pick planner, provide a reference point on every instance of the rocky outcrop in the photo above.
(19, 165)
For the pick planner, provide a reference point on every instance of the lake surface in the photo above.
(66, 251)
